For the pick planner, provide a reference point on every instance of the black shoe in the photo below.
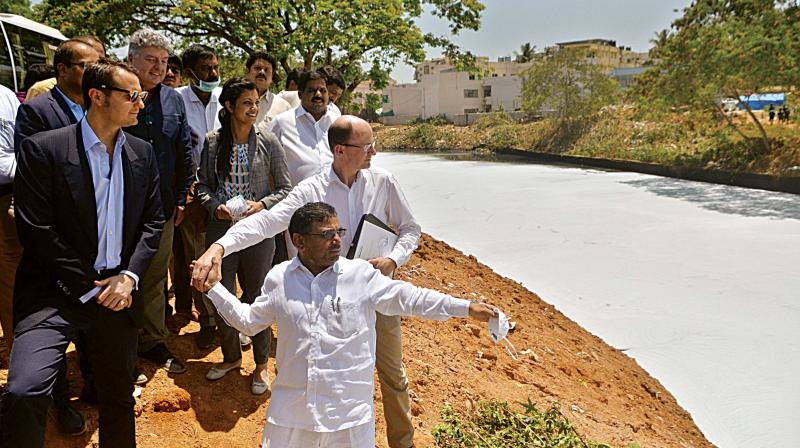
(69, 420)
(161, 355)
(205, 338)
(89, 394)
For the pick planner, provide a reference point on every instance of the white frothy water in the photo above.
(699, 282)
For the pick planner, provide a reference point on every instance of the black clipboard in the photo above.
(381, 239)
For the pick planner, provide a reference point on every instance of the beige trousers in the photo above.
(10, 255)
(394, 382)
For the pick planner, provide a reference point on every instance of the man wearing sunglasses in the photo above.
(323, 394)
(89, 218)
(354, 188)
(162, 123)
(62, 106)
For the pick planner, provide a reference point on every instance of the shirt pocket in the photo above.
(171, 125)
(342, 318)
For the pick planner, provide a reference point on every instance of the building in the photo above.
(607, 54)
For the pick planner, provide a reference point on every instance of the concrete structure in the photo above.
(607, 54)
(442, 90)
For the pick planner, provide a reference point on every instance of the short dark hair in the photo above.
(65, 52)
(196, 53)
(309, 75)
(175, 59)
(36, 73)
(310, 213)
(333, 76)
(339, 132)
(293, 75)
(102, 74)
(261, 55)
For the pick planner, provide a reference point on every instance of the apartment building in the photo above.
(607, 54)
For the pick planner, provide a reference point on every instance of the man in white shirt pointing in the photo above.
(325, 309)
(353, 188)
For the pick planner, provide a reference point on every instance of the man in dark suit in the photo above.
(89, 218)
(60, 107)
(63, 105)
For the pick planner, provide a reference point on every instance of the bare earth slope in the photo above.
(602, 391)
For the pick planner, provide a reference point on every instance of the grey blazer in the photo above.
(266, 157)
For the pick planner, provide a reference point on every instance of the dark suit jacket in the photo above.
(57, 221)
(46, 112)
(172, 143)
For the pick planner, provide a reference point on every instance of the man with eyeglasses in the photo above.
(89, 217)
(62, 106)
(354, 188)
(162, 123)
(260, 71)
(326, 309)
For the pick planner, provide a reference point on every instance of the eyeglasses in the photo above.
(366, 148)
(133, 95)
(174, 69)
(329, 234)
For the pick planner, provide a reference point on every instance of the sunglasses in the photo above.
(133, 95)
(329, 234)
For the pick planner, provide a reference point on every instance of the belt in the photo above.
(6, 189)
(106, 273)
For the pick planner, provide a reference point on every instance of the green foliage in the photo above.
(723, 49)
(348, 34)
(565, 84)
(492, 120)
(494, 424)
(526, 53)
(18, 7)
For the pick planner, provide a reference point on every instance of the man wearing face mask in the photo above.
(201, 98)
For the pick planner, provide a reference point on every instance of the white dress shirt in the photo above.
(8, 114)
(305, 141)
(269, 106)
(291, 96)
(326, 351)
(109, 196)
(202, 118)
(374, 191)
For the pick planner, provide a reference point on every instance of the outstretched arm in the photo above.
(248, 319)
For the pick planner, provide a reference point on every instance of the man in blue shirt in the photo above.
(163, 124)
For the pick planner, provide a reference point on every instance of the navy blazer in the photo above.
(45, 112)
(172, 143)
(56, 221)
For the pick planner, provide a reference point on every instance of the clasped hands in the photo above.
(116, 293)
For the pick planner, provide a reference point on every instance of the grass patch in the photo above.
(494, 424)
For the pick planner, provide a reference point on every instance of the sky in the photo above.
(507, 24)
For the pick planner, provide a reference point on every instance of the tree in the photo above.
(18, 7)
(565, 83)
(526, 53)
(348, 34)
(721, 49)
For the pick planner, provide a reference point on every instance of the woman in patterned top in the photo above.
(241, 159)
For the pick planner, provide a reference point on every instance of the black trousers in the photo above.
(39, 353)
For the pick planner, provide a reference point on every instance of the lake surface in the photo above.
(698, 282)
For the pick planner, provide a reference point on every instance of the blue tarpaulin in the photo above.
(758, 101)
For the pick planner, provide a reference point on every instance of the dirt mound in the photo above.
(604, 392)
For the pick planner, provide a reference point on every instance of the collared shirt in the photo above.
(77, 109)
(327, 346)
(334, 108)
(305, 141)
(202, 118)
(269, 106)
(109, 196)
(291, 96)
(374, 191)
(8, 114)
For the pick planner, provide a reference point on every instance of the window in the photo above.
(471, 77)
(470, 93)
(494, 75)
(426, 70)
(385, 99)
(487, 91)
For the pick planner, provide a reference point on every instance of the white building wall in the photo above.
(506, 93)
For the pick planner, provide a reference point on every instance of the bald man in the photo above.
(354, 188)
